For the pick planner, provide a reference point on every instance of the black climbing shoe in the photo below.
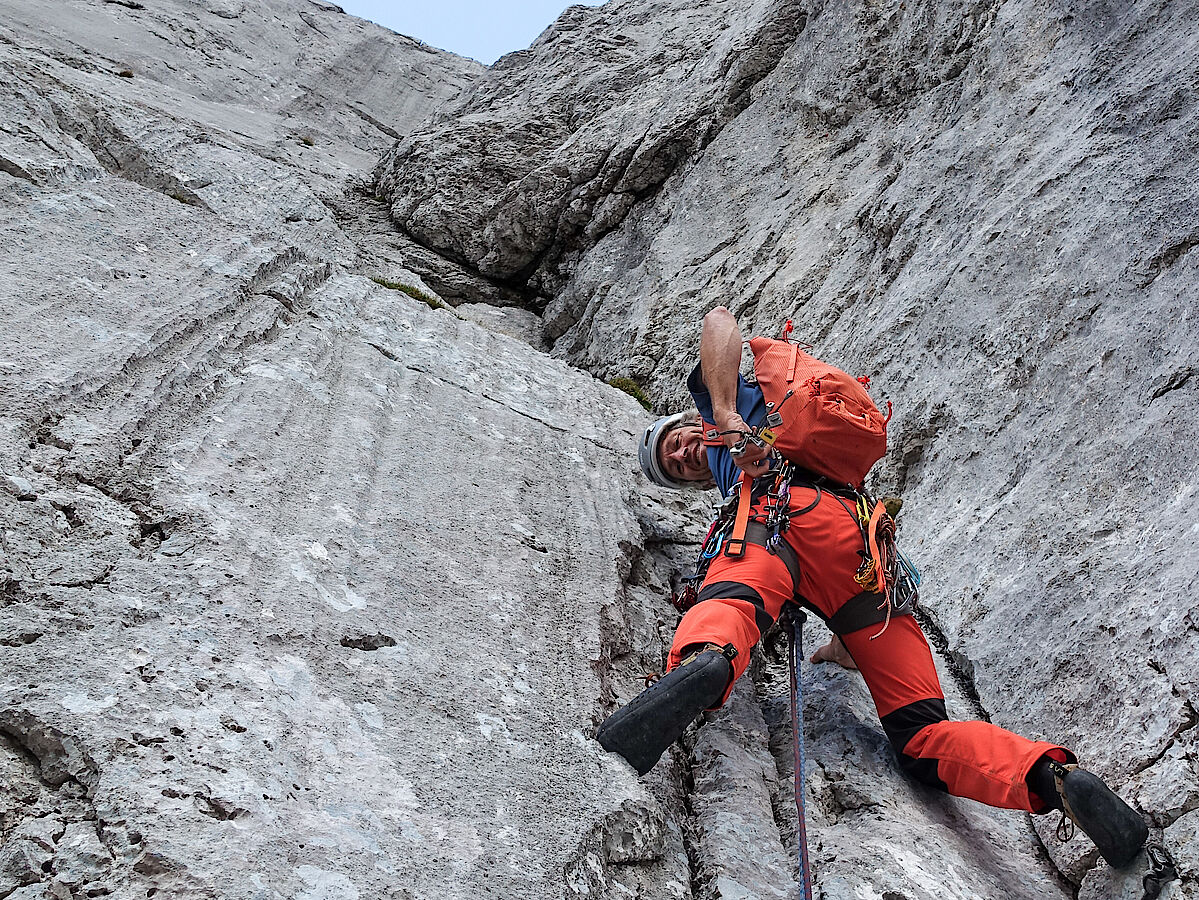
(658, 715)
(1115, 827)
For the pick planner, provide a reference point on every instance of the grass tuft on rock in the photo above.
(630, 387)
(411, 290)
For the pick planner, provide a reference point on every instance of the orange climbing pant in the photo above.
(742, 597)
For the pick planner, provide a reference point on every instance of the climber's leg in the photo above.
(968, 759)
(741, 598)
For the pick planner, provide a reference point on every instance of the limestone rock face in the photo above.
(314, 588)
(986, 210)
(296, 81)
(554, 145)
(985, 207)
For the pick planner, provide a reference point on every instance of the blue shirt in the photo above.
(751, 406)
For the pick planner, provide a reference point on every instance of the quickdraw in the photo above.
(712, 544)
(884, 569)
(777, 512)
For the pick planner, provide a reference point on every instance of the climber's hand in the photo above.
(753, 459)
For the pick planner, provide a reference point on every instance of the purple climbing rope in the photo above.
(795, 619)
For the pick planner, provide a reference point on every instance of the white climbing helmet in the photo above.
(647, 452)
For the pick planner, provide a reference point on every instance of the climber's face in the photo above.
(682, 453)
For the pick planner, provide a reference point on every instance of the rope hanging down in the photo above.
(795, 619)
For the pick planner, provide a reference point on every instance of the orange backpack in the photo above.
(817, 416)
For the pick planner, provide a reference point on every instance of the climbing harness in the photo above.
(1161, 871)
(795, 619)
(889, 580)
(730, 527)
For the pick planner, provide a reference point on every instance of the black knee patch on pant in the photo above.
(901, 726)
(735, 590)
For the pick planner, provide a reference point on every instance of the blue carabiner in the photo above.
(715, 550)
(909, 567)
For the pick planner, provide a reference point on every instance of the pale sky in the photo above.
(476, 28)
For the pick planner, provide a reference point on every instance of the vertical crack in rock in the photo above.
(736, 786)
(692, 829)
(50, 830)
(960, 667)
(645, 840)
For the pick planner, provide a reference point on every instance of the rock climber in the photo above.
(816, 562)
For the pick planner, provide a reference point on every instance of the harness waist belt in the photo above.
(860, 611)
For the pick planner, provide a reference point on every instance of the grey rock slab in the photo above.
(143, 241)
(44, 832)
(249, 714)
(512, 321)
(194, 565)
(21, 863)
(19, 487)
(415, 565)
(329, 73)
(82, 858)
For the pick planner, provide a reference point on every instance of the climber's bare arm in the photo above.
(720, 361)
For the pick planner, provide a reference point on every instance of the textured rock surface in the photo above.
(312, 591)
(299, 83)
(251, 645)
(986, 207)
(546, 156)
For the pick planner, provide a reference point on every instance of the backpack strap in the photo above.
(735, 545)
